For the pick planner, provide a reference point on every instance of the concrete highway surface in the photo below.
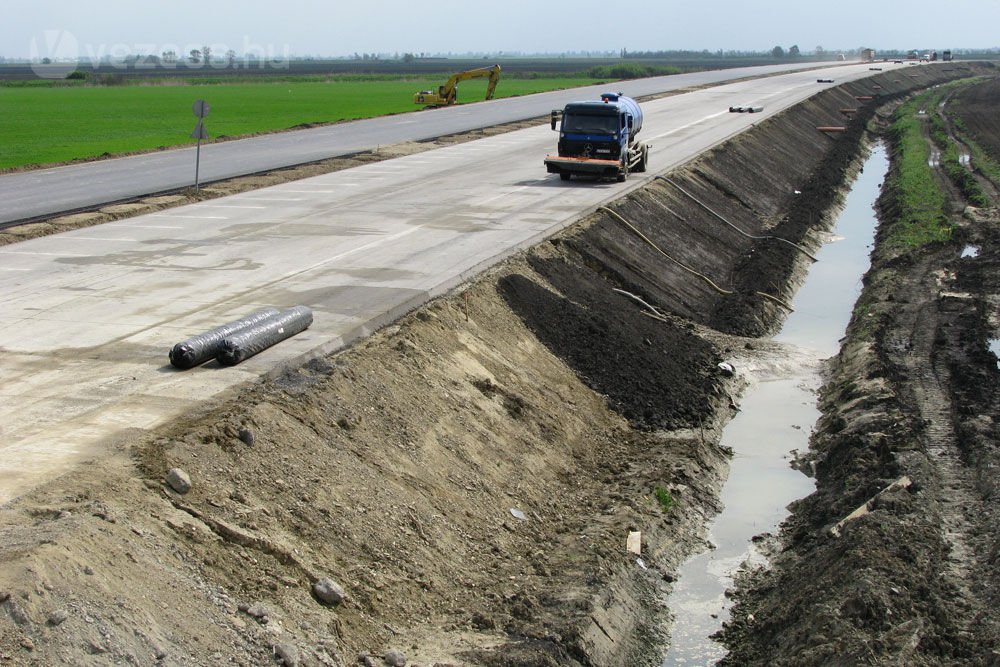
(30, 194)
(87, 317)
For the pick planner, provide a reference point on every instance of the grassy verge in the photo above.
(48, 124)
(920, 203)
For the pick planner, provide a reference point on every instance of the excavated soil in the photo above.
(977, 111)
(467, 477)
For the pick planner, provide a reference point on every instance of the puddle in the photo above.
(970, 251)
(777, 416)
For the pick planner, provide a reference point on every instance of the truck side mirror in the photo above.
(554, 118)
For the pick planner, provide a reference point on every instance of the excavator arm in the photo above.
(448, 93)
(494, 80)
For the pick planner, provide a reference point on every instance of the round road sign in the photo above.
(201, 108)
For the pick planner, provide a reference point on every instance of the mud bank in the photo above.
(467, 476)
(912, 396)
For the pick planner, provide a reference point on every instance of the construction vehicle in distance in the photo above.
(946, 56)
(448, 93)
(597, 138)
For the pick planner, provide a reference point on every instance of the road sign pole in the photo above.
(197, 165)
(200, 109)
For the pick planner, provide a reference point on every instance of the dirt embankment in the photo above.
(469, 476)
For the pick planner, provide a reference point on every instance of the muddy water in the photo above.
(777, 414)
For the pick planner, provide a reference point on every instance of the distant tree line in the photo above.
(705, 54)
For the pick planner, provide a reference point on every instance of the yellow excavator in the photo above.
(448, 93)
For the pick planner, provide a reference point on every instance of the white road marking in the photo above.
(338, 184)
(42, 254)
(372, 244)
(191, 217)
(228, 205)
(99, 238)
(142, 226)
(502, 194)
(691, 124)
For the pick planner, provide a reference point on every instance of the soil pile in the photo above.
(458, 488)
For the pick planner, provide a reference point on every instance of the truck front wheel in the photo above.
(622, 173)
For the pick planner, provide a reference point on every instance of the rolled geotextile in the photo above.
(198, 349)
(245, 344)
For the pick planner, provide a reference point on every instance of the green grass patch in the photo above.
(72, 121)
(664, 499)
(922, 214)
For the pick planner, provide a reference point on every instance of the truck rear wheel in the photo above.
(565, 176)
(640, 167)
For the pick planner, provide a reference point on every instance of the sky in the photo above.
(57, 28)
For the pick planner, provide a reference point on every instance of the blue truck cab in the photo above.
(597, 138)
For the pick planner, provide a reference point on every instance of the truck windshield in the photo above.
(590, 124)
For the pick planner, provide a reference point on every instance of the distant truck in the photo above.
(597, 138)
(946, 55)
(868, 55)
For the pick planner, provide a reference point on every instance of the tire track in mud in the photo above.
(930, 382)
(954, 492)
(931, 385)
(935, 160)
(965, 152)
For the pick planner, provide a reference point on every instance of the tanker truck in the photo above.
(597, 138)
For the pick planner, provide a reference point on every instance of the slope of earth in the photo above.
(909, 432)
(457, 489)
(978, 114)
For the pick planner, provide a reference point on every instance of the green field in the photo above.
(48, 124)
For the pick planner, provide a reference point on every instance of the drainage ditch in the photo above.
(776, 418)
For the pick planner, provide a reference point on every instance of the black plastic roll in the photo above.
(256, 339)
(198, 349)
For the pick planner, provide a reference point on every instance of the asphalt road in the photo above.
(87, 317)
(32, 194)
